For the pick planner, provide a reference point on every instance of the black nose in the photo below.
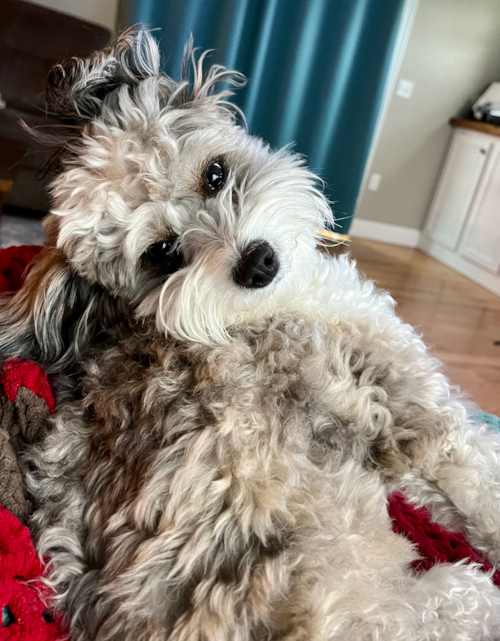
(257, 266)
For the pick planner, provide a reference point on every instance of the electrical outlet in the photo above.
(405, 89)
(374, 182)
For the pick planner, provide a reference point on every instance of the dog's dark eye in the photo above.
(214, 177)
(163, 257)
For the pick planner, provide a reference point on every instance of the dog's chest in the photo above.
(252, 421)
(158, 409)
(232, 457)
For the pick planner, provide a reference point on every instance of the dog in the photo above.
(234, 405)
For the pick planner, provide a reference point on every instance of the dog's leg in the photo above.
(453, 461)
(371, 593)
(447, 603)
(457, 475)
(427, 438)
(408, 422)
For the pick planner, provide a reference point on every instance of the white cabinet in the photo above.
(458, 184)
(463, 226)
(481, 237)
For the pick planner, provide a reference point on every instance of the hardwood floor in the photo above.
(459, 320)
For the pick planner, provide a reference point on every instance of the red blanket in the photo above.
(26, 398)
(21, 603)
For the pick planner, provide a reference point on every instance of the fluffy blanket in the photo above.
(25, 400)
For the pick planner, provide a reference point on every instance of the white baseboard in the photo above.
(409, 237)
(461, 265)
(385, 233)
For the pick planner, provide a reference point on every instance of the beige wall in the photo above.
(453, 54)
(101, 12)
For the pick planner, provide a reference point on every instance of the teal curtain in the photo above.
(317, 70)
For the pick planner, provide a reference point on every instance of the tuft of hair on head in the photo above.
(81, 88)
(205, 84)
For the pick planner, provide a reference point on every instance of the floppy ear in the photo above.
(55, 314)
(79, 87)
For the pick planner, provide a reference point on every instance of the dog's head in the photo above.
(166, 203)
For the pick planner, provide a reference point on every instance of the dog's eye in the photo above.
(163, 257)
(214, 177)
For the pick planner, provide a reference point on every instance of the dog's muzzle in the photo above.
(257, 267)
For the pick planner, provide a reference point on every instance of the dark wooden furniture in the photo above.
(476, 125)
(32, 39)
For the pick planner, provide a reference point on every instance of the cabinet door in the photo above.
(456, 188)
(481, 239)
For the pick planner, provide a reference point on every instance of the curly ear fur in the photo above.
(56, 313)
(78, 87)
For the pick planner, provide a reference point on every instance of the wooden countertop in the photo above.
(484, 127)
